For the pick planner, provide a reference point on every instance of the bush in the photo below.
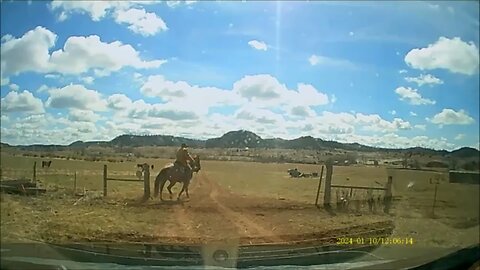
(436, 164)
(471, 166)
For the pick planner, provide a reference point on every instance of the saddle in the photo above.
(181, 168)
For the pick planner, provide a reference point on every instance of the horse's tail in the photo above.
(161, 178)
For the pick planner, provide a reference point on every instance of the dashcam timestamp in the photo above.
(375, 241)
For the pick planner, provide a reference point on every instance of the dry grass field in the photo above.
(256, 202)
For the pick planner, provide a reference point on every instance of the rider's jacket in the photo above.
(183, 156)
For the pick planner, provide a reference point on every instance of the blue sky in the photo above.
(390, 74)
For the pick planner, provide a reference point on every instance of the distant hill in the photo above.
(244, 138)
(236, 139)
(154, 140)
(465, 152)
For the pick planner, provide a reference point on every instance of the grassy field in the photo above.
(254, 199)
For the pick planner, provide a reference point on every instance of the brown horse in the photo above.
(171, 174)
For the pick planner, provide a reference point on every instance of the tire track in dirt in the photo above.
(183, 218)
(246, 227)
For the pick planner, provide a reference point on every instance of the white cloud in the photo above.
(21, 102)
(258, 45)
(76, 115)
(52, 76)
(459, 137)
(452, 117)
(454, 55)
(259, 87)
(174, 4)
(302, 111)
(76, 96)
(412, 96)
(391, 140)
(14, 87)
(260, 116)
(424, 79)
(392, 112)
(118, 102)
(28, 53)
(87, 79)
(79, 55)
(401, 71)
(140, 21)
(95, 9)
(421, 127)
(43, 88)
(413, 114)
(374, 122)
(63, 16)
(315, 60)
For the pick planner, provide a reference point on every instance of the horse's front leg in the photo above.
(169, 187)
(181, 191)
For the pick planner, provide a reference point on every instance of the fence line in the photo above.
(146, 180)
(328, 189)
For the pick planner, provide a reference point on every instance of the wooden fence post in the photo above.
(328, 183)
(388, 195)
(75, 183)
(146, 181)
(319, 185)
(105, 180)
(34, 171)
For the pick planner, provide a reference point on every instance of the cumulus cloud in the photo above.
(265, 90)
(79, 55)
(401, 71)
(452, 117)
(118, 102)
(412, 96)
(76, 115)
(413, 114)
(174, 4)
(14, 87)
(76, 96)
(374, 122)
(28, 53)
(123, 12)
(258, 45)
(22, 102)
(261, 87)
(87, 79)
(424, 79)
(453, 54)
(140, 21)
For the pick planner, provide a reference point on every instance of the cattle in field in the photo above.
(46, 164)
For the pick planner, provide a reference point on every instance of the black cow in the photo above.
(46, 164)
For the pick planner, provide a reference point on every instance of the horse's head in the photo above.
(196, 164)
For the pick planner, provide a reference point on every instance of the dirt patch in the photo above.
(212, 213)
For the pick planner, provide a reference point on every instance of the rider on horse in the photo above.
(182, 159)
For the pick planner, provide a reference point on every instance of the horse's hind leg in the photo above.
(169, 187)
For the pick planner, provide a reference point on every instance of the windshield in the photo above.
(240, 133)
